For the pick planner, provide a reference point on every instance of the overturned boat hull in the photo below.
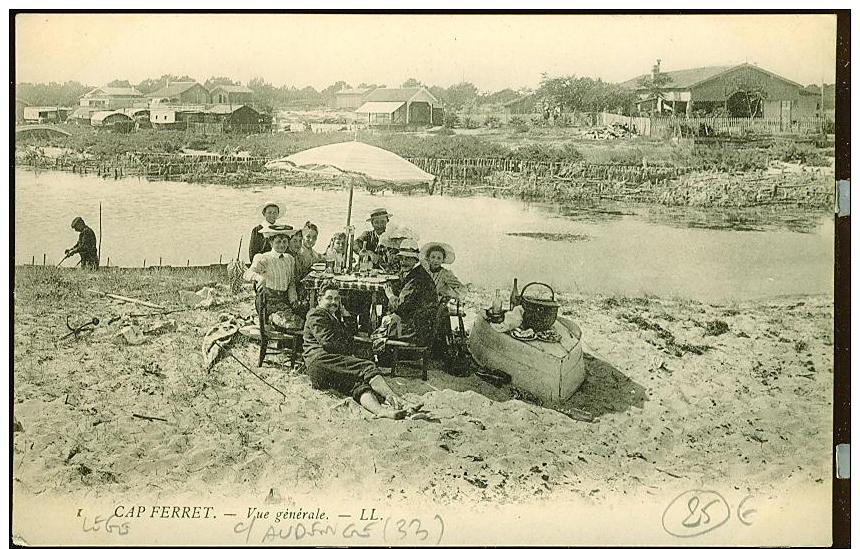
(549, 371)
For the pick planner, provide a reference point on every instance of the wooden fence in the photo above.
(708, 126)
(456, 174)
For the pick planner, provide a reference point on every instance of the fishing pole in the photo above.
(250, 370)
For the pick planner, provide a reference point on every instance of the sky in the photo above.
(491, 51)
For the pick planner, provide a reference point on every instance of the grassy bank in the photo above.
(684, 393)
(546, 145)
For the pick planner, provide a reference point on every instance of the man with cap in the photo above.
(258, 244)
(368, 240)
(415, 302)
(86, 245)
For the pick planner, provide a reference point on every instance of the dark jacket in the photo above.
(259, 244)
(370, 240)
(86, 246)
(417, 304)
(326, 334)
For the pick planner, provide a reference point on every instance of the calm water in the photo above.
(705, 255)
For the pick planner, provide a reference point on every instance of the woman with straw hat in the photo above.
(274, 273)
(258, 244)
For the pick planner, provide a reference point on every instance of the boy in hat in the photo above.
(86, 245)
(378, 219)
(274, 272)
(258, 244)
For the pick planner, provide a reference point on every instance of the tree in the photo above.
(412, 83)
(52, 94)
(213, 81)
(118, 84)
(655, 87)
(746, 99)
(459, 95)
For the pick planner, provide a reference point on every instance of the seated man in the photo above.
(275, 275)
(328, 343)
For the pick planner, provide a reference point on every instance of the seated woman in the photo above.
(386, 252)
(275, 277)
(448, 287)
(258, 244)
(307, 256)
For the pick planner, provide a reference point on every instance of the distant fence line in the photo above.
(669, 126)
(460, 172)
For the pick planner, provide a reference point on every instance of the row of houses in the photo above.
(178, 105)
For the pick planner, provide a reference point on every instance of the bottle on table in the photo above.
(497, 302)
(515, 295)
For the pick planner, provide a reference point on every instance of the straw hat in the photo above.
(280, 207)
(379, 212)
(409, 248)
(390, 241)
(449, 251)
(273, 230)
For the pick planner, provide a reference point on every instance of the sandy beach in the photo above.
(684, 394)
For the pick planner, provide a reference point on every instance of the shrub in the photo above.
(790, 151)
(492, 121)
(451, 120)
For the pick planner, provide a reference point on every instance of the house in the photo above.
(231, 95)
(115, 121)
(210, 119)
(744, 91)
(181, 93)
(45, 115)
(109, 99)
(228, 119)
(351, 99)
(401, 107)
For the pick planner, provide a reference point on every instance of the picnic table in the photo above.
(373, 285)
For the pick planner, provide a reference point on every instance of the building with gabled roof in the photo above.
(181, 93)
(744, 91)
(401, 107)
(231, 94)
(111, 98)
(351, 99)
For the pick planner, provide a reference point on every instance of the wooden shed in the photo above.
(401, 107)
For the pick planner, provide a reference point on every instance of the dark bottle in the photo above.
(515, 295)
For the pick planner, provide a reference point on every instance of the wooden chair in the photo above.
(287, 342)
(419, 356)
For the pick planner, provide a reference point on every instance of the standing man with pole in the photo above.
(86, 246)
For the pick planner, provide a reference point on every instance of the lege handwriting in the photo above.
(108, 525)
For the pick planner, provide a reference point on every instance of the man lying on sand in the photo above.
(328, 344)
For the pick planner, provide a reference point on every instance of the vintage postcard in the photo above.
(423, 279)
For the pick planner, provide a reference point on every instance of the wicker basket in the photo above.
(538, 314)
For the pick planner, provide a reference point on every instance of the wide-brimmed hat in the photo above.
(280, 207)
(379, 212)
(273, 230)
(449, 251)
(390, 241)
(409, 248)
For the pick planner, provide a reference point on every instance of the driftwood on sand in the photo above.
(128, 299)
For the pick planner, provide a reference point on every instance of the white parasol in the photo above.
(353, 160)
